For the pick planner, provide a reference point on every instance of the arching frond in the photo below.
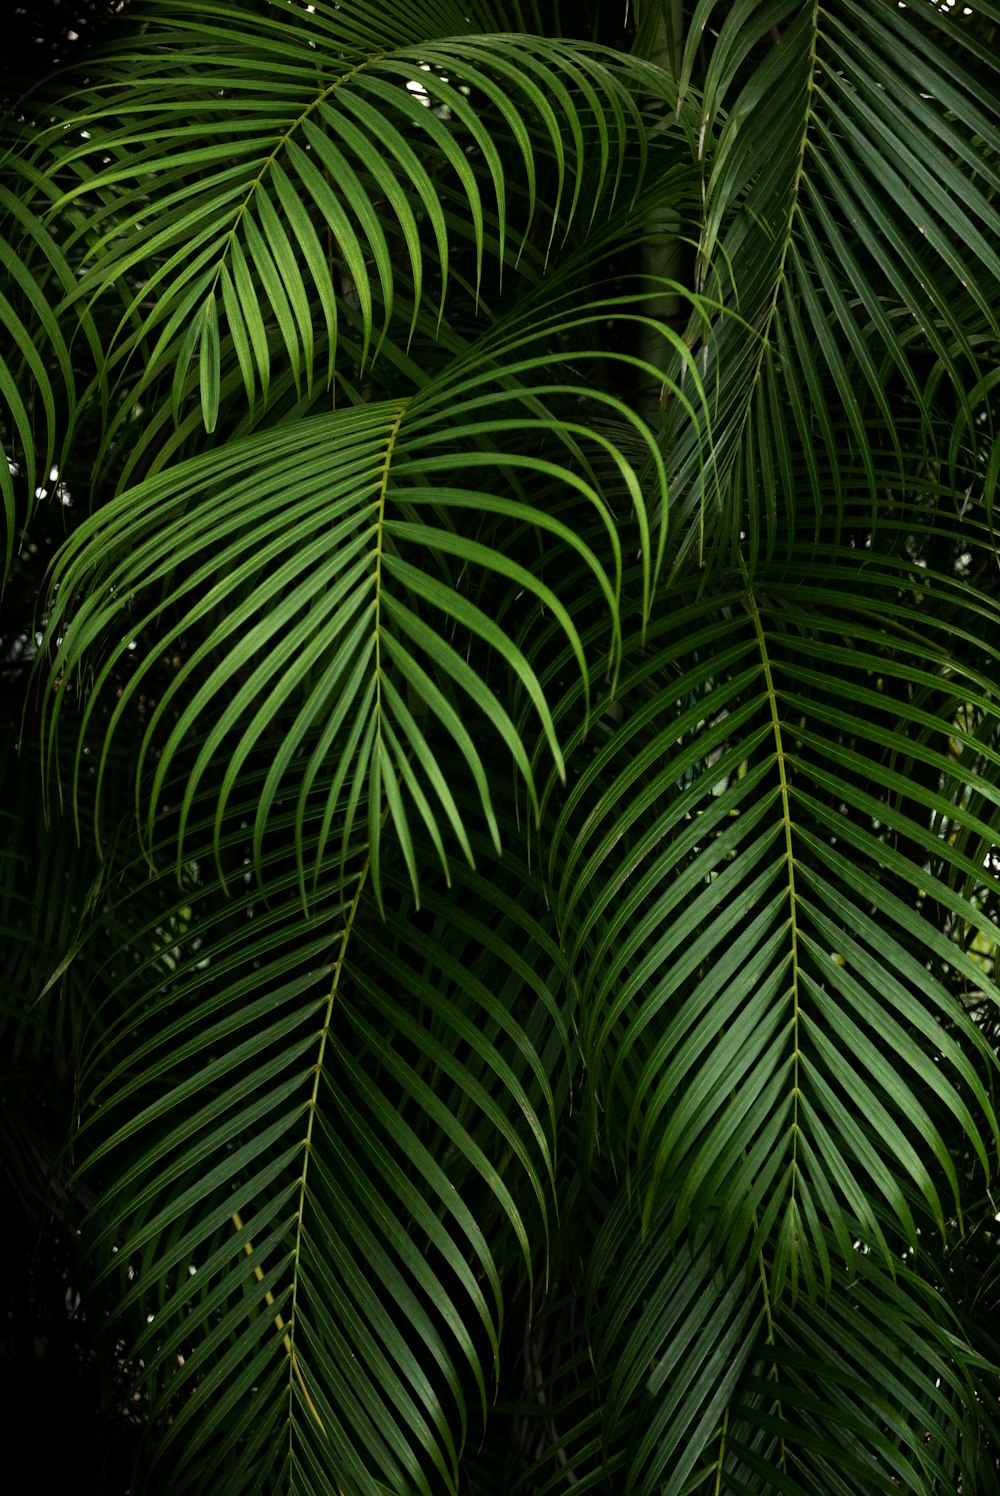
(487, 440)
(310, 1180)
(361, 558)
(37, 379)
(848, 210)
(350, 179)
(777, 876)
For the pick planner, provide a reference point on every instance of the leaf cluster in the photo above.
(515, 699)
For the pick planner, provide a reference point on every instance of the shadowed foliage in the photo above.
(503, 631)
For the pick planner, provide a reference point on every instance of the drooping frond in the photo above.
(298, 169)
(708, 1389)
(850, 168)
(484, 440)
(777, 879)
(361, 560)
(37, 379)
(322, 1147)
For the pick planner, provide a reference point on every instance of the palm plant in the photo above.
(522, 662)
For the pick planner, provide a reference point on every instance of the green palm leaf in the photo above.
(580, 460)
(339, 585)
(331, 187)
(759, 872)
(37, 380)
(292, 1112)
(847, 217)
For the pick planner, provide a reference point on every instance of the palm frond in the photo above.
(582, 461)
(848, 209)
(346, 580)
(776, 871)
(37, 378)
(349, 179)
(275, 1110)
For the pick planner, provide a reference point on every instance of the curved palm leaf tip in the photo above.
(334, 574)
(688, 1091)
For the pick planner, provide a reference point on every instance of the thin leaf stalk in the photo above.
(312, 1107)
(702, 267)
(786, 815)
(723, 1435)
(702, 264)
(379, 533)
(237, 1221)
(269, 160)
(800, 171)
(381, 751)
(773, 1373)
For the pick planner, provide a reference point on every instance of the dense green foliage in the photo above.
(507, 954)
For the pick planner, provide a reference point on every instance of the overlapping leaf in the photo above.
(37, 379)
(849, 198)
(727, 1004)
(295, 168)
(329, 1146)
(697, 1381)
(778, 865)
(346, 566)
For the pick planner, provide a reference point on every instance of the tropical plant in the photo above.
(512, 944)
